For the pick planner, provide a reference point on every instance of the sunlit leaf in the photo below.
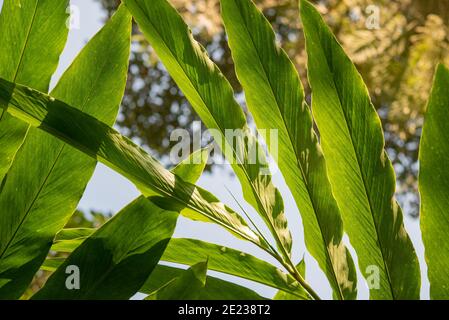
(361, 175)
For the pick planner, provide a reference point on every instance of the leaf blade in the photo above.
(186, 287)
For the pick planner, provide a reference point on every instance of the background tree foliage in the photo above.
(396, 61)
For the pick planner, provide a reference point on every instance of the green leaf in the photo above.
(118, 258)
(186, 287)
(433, 186)
(361, 175)
(32, 36)
(55, 174)
(232, 262)
(103, 143)
(276, 100)
(282, 295)
(212, 97)
(214, 289)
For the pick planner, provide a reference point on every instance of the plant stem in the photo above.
(303, 283)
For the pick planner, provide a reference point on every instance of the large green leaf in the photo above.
(276, 100)
(47, 179)
(103, 143)
(190, 251)
(186, 287)
(433, 186)
(214, 289)
(32, 37)
(212, 98)
(361, 175)
(117, 259)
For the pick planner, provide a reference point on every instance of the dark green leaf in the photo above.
(118, 258)
(186, 287)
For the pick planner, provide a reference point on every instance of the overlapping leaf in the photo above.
(106, 145)
(434, 186)
(231, 261)
(47, 179)
(360, 172)
(276, 100)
